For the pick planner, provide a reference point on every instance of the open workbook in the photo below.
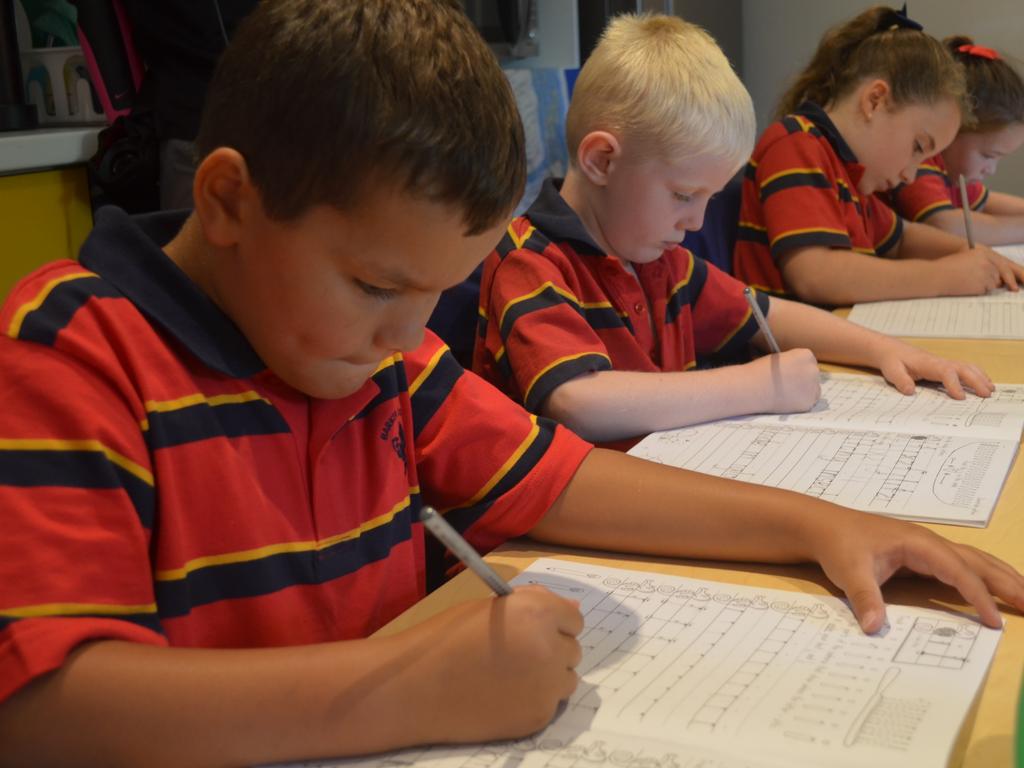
(996, 315)
(684, 673)
(925, 457)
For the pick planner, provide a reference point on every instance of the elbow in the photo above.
(951, 222)
(817, 286)
(569, 407)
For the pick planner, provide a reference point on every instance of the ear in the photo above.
(596, 156)
(224, 195)
(875, 95)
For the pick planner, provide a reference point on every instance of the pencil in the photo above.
(966, 205)
(461, 548)
(762, 323)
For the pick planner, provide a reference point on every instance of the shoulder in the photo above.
(526, 253)
(792, 139)
(63, 314)
(63, 299)
(522, 237)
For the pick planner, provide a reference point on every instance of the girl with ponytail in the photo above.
(996, 91)
(878, 97)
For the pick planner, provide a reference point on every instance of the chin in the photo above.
(331, 384)
(647, 256)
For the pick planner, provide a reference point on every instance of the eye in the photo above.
(376, 292)
(682, 197)
(918, 149)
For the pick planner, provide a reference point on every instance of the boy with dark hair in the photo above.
(219, 503)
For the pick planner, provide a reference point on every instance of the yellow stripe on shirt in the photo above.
(555, 364)
(536, 292)
(435, 358)
(19, 316)
(506, 467)
(519, 240)
(45, 444)
(314, 545)
(734, 331)
(929, 208)
(792, 232)
(790, 172)
(682, 283)
(75, 609)
(167, 406)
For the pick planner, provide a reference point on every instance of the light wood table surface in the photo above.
(987, 740)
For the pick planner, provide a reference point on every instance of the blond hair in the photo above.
(664, 85)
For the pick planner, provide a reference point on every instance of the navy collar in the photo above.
(127, 252)
(824, 123)
(556, 220)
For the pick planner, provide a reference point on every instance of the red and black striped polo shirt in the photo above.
(800, 190)
(554, 306)
(933, 191)
(160, 485)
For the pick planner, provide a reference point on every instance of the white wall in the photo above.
(779, 37)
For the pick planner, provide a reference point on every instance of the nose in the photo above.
(692, 219)
(401, 335)
(908, 174)
(402, 330)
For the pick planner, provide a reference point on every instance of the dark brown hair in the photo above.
(325, 97)
(995, 88)
(917, 67)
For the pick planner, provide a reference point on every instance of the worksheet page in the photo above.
(686, 672)
(1015, 252)
(924, 457)
(996, 315)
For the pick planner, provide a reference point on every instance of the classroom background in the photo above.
(768, 41)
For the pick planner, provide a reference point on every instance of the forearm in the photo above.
(921, 241)
(1002, 204)
(829, 337)
(118, 703)
(612, 405)
(621, 503)
(842, 278)
(988, 229)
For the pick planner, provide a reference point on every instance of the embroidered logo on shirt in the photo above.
(397, 439)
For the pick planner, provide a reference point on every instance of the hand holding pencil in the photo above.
(515, 655)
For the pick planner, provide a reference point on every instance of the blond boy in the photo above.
(592, 312)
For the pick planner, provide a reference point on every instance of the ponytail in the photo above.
(880, 42)
(995, 88)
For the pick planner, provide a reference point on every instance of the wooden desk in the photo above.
(989, 740)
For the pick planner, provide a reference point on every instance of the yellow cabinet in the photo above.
(43, 216)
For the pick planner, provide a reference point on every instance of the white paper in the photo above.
(866, 446)
(685, 673)
(996, 315)
(1014, 252)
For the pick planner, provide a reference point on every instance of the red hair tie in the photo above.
(980, 50)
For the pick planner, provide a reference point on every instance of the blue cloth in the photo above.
(715, 240)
